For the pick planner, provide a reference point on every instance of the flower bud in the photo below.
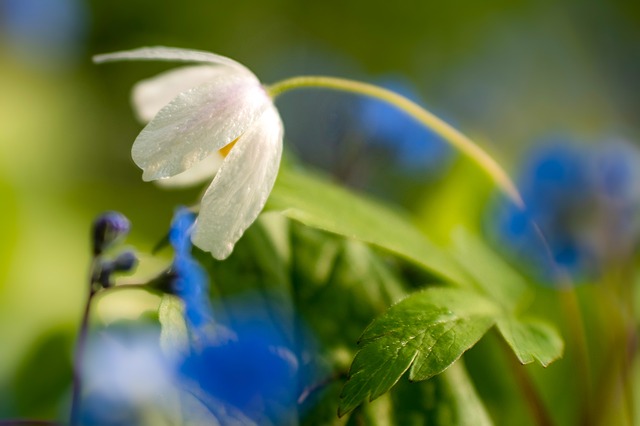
(107, 229)
(125, 262)
(101, 274)
(104, 269)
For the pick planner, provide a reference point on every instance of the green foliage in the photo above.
(447, 399)
(313, 256)
(531, 340)
(463, 404)
(8, 220)
(36, 385)
(493, 276)
(316, 202)
(424, 333)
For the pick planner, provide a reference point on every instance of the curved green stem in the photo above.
(453, 136)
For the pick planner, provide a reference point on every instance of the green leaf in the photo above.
(426, 332)
(532, 340)
(318, 203)
(465, 404)
(174, 338)
(345, 277)
(494, 276)
(447, 399)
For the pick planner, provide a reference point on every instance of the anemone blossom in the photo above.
(197, 116)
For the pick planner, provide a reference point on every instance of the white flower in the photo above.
(195, 112)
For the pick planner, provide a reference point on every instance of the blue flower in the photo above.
(582, 200)
(263, 365)
(44, 33)
(256, 370)
(189, 280)
(414, 147)
(243, 368)
(125, 373)
(245, 359)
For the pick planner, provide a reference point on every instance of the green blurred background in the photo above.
(507, 73)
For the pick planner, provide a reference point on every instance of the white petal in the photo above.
(197, 123)
(151, 95)
(161, 53)
(202, 171)
(241, 188)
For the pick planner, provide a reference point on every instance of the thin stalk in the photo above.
(453, 136)
(78, 358)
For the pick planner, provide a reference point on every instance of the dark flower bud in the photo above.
(125, 262)
(107, 229)
(104, 269)
(102, 274)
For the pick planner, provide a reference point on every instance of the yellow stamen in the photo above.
(224, 151)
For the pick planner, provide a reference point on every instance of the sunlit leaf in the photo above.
(424, 333)
(494, 276)
(318, 203)
(532, 340)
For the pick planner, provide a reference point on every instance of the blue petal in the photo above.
(180, 231)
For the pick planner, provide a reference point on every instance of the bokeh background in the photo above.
(513, 75)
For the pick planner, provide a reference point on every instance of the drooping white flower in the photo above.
(193, 113)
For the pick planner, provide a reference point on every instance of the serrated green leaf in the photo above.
(494, 276)
(532, 340)
(317, 203)
(426, 333)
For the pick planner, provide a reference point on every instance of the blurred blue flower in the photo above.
(256, 370)
(583, 200)
(188, 280)
(245, 367)
(44, 32)
(125, 375)
(246, 360)
(250, 378)
(414, 147)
